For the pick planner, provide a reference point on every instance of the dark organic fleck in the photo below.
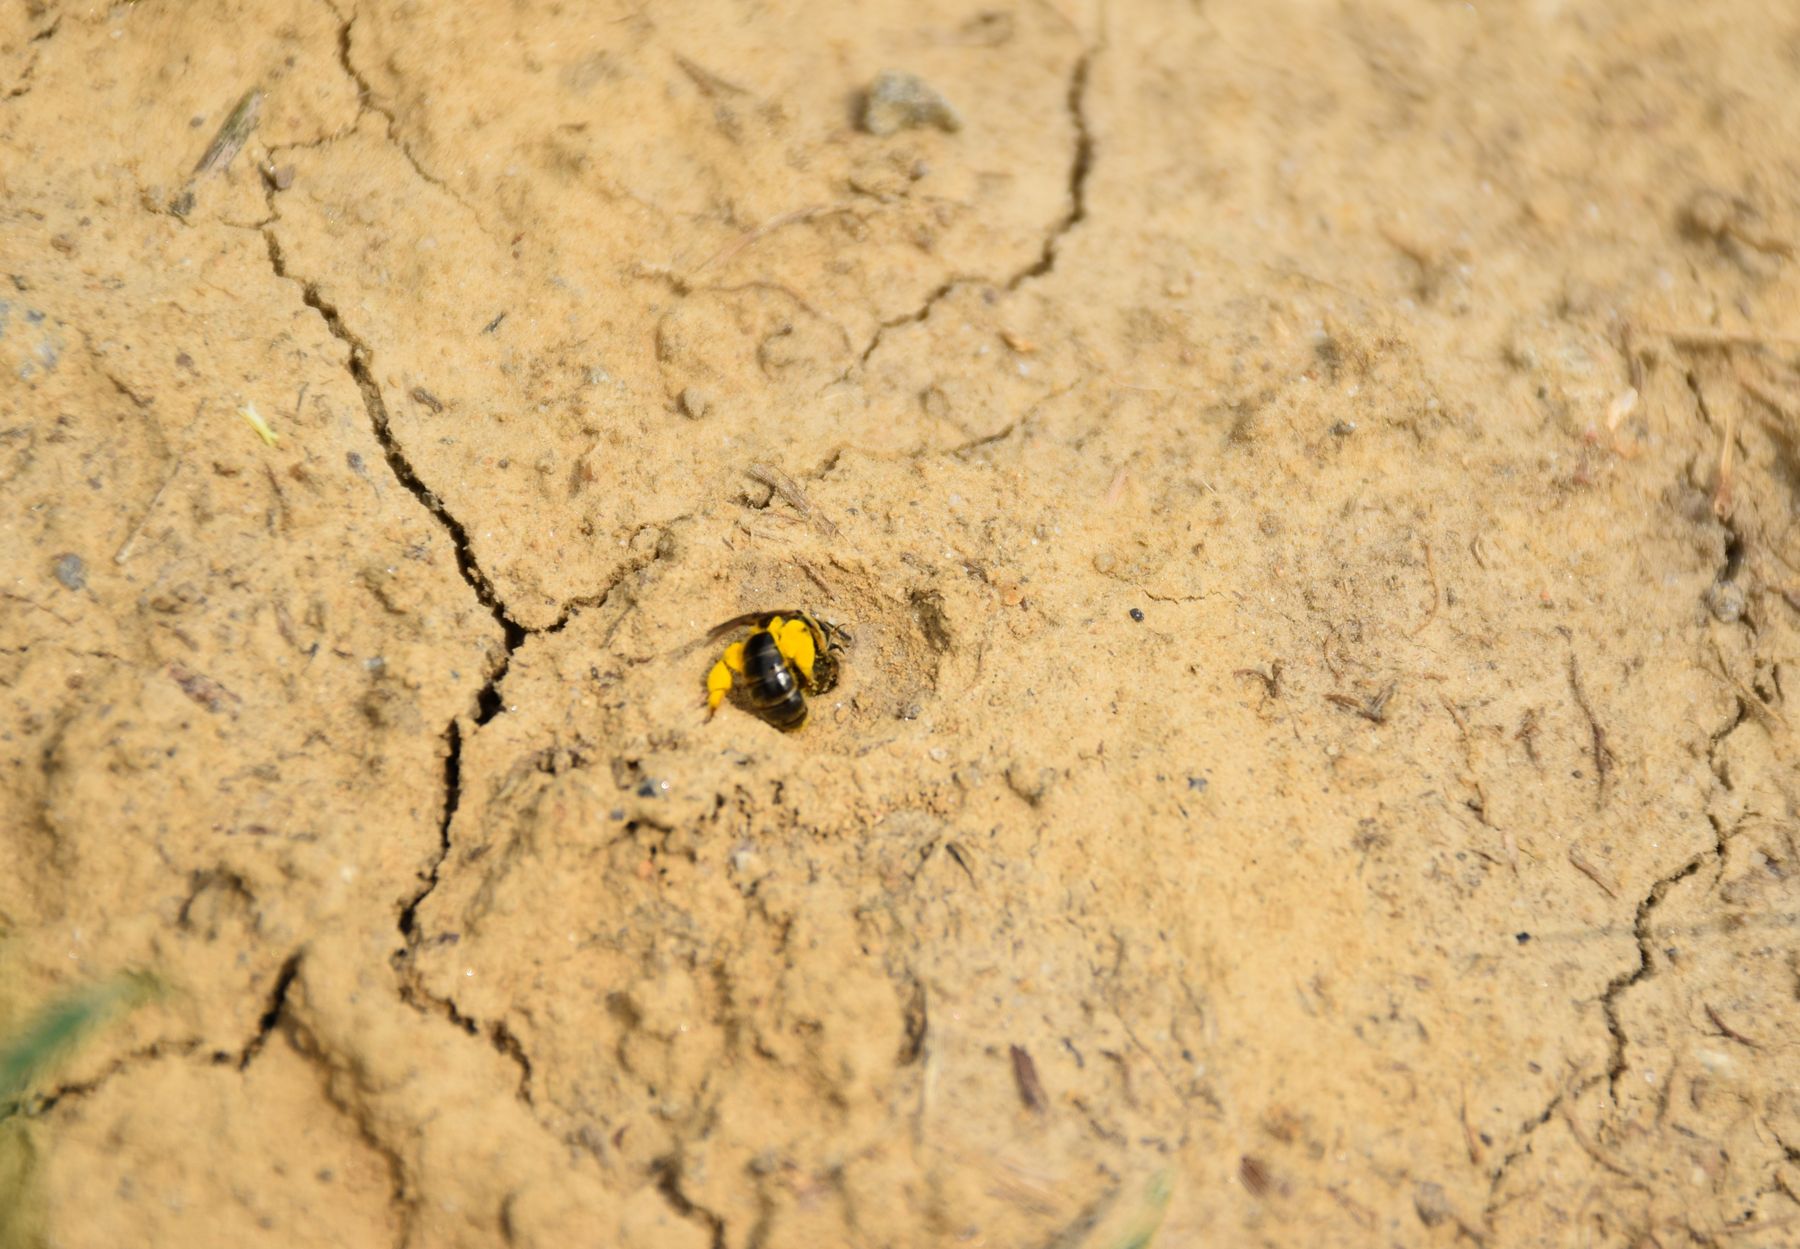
(71, 571)
(204, 690)
(1025, 1075)
(234, 132)
(1522, 937)
(1197, 782)
(1253, 1173)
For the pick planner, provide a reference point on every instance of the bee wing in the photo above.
(749, 618)
(718, 631)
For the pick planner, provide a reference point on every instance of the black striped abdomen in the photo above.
(771, 689)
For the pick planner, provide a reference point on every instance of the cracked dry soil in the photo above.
(1313, 488)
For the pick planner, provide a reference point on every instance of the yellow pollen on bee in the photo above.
(718, 681)
(794, 638)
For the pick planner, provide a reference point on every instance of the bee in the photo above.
(785, 656)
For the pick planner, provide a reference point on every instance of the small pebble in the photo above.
(1726, 600)
(1708, 214)
(1430, 1203)
(899, 102)
(1522, 937)
(1137, 613)
(694, 402)
(71, 571)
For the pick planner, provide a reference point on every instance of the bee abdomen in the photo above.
(787, 715)
(771, 689)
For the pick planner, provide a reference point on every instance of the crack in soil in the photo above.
(267, 1022)
(487, 702)
(1644, 970)
(365, 98)
(1079, 169)
(271, 1017)
(39, 1105)
(1080, 166)
(1526, 1130)
(1523, 1147)
(411, 991)
(509, 1044)
(668, 1182)
(913, 317)
(502, 1038)
(409, 914)
(1625, 980)
(487, 706)
(1616, 987)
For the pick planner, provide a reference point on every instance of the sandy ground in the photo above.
(1313, 488)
